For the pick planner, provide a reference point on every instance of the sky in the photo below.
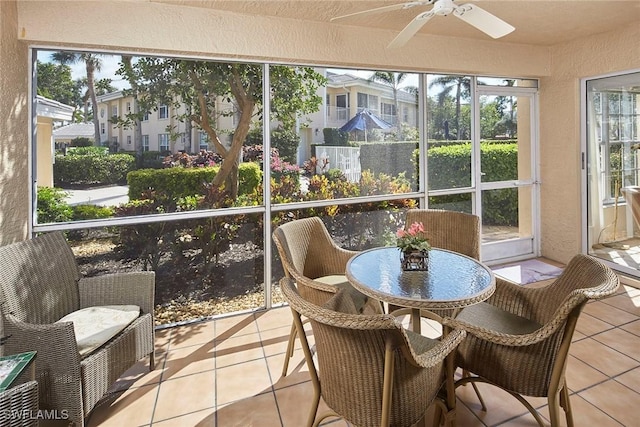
(110, 64)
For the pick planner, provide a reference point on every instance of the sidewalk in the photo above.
(103, 196)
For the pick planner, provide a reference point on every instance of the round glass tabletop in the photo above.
(452, 280)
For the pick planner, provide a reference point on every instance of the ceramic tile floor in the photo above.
(227, 372)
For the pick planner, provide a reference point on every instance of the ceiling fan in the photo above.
(469, 13)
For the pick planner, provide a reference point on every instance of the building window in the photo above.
(204, 141)
(102, 128)
(128, 139)
(369, 102)
(128, 107)
(163, 112)
(145, 142)
(342, 106)
(163, 141)
(145, 118)
(114, 111)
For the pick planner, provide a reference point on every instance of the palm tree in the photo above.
(461, 84)
(92, 63)
(393, 80)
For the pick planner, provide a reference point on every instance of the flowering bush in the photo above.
(413, 238)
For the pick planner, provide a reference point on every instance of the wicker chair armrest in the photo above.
(514, 340)
(314, 284)
(55, 342)
(342, 257)
(137, 288)
(436, 353)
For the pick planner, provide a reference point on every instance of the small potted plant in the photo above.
(414, 247)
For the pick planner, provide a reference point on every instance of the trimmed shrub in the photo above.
(86, 212)
(184, 182)
(51, 205)
(92, 168)
(334, 136)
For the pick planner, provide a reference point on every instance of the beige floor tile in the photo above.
(633, 327)
(500, 405)
(133, 407)
(588, 325)
(204, 418)
(259, 410)
(621, 340)
(295, 404)
(188, 361)
(614, 399)
(274, 318)
(243, 380)
(162, 338)
(601, 357)
(193, 334)
(297, 372)
(630, 304)
(580, 375)
(275, 341)
(185, 395)
(584, 414)
(234, 350)
(235, 326)
(630, 379)
(609, 313)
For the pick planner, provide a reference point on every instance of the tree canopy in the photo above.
(210, 90)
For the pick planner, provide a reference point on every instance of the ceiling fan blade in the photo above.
(483, 20)
(406, 5)
(410, 30)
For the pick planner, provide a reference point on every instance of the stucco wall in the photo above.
(14, 116)
(560, 131)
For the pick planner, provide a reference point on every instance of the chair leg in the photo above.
(554, 409)
(566, 405)
(289, 354)
(152, 361)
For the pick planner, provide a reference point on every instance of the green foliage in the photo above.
(334, 136)
(87, 151)
(51, 205)
(87, 212)
(55, 82)
(181, 182)
(286, 142)
(92, 169)
(81, 141)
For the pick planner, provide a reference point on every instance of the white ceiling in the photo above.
(537, 22)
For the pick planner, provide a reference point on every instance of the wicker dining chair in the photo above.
(371, 371)
(315, 262)
(450, 230)
(519, 338)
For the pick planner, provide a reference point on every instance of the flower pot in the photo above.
(414, 260)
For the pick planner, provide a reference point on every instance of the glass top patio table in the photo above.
(452, 281)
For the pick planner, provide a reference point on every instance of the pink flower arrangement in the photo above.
(412, 238)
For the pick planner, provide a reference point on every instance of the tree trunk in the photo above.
(94, 101)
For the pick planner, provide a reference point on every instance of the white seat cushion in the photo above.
(94, 326)
(334, 279)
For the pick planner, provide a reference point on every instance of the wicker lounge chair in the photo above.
(19, 405)
(39, 285)
(371, 371)
(313, 260)
(519, 339)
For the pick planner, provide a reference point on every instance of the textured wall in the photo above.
(560, 131)
(14, 126)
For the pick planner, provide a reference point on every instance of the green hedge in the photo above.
(334, 136)
(92, 169)
(184, 182)
(450, 167)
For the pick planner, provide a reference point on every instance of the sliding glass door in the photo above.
(612, 166)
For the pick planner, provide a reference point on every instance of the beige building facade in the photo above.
(133, 27)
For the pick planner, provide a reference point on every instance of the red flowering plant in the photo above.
(412, 239)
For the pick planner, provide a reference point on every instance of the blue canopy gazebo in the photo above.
(364, 120)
